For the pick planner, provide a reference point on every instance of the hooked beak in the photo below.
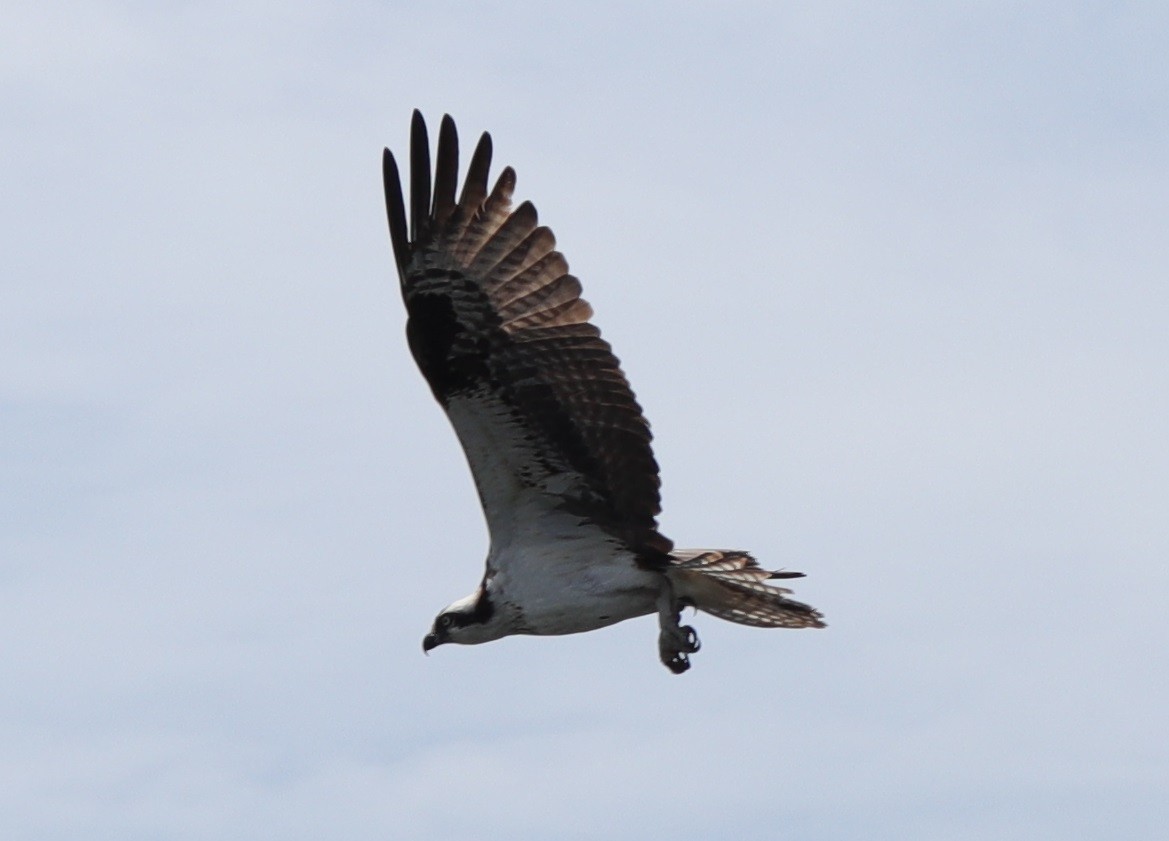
(430, 641)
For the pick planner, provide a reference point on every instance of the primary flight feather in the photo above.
(557, 444)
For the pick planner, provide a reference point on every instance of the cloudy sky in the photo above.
(893, 288)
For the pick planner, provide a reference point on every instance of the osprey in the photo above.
(557, 444)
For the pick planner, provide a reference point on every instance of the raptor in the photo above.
(558, 447)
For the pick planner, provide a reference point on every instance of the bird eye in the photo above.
(446, 620)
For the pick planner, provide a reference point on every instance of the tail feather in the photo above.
(731, 585)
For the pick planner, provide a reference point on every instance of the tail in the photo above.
(730, 585)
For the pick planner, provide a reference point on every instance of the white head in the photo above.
(469, 621)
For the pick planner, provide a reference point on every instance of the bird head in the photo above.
(468, 621)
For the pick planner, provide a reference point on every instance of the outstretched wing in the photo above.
(499, 330)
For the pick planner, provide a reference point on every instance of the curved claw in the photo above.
(675, 642)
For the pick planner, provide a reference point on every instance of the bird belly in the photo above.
(572, 586)
(574, 612)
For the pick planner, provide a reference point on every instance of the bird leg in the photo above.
(675, 642)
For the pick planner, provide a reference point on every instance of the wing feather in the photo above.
(536, 246)
(513, 229)
(419, 178)
(446, 172)
(565, 289)
(566, 312)
(499, 330)
(396, 212)
(543, 271)
(486, 217)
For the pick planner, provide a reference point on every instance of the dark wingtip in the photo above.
(395, 209)
(446, 171)
(419, 177)
(783, 573)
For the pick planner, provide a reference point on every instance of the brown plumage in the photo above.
(520, 325)
(557, 443)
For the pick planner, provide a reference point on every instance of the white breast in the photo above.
(563, 574)
(571, 577)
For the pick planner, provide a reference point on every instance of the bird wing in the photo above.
(497, 325)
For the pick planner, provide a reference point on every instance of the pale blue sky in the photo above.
(890, 283)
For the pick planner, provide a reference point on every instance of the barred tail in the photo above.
(731, 585)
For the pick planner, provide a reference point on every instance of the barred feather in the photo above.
(730, 585)
(495, 313)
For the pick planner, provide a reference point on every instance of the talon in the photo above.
(675, 641)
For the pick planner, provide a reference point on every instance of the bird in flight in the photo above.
(557, 444)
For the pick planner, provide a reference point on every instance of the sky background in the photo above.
(890, 280)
